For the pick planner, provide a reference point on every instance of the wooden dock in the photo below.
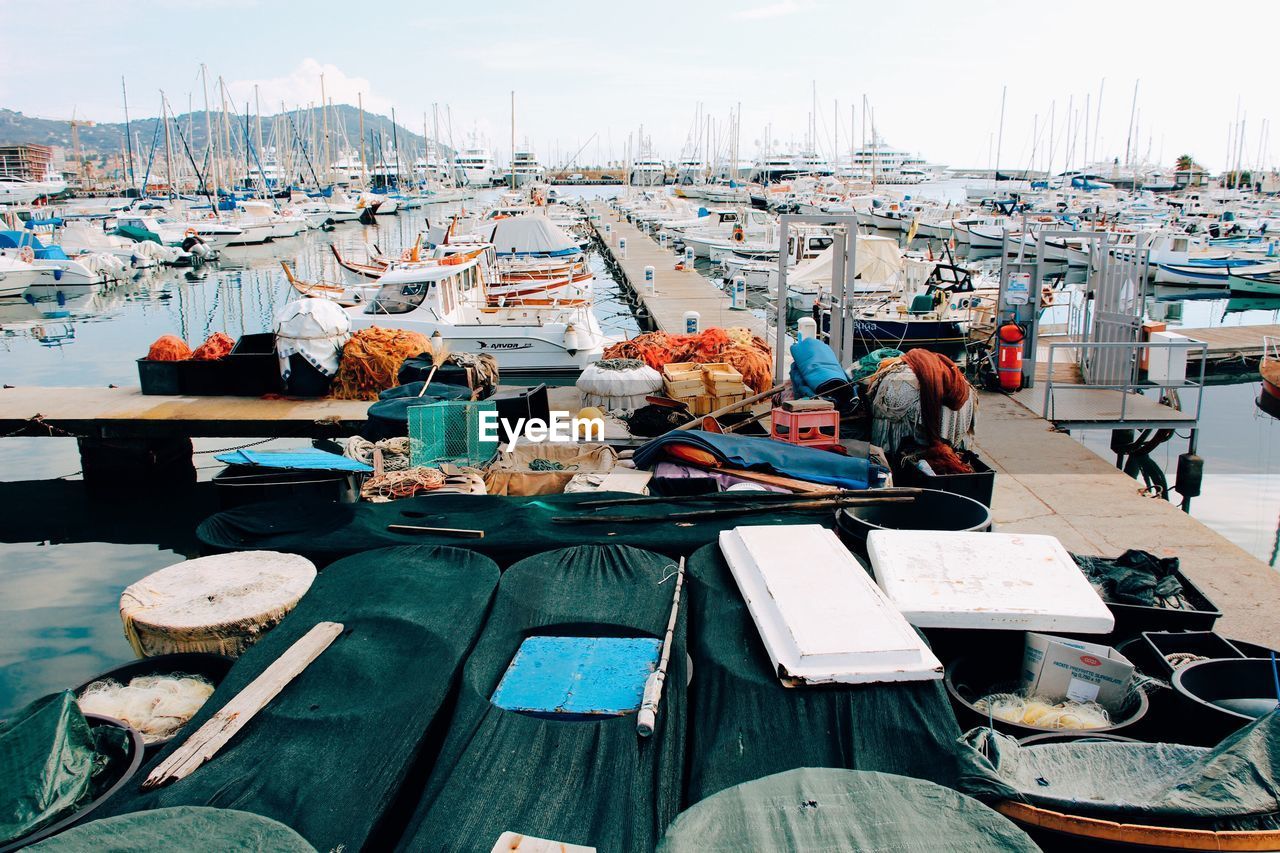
(675, 291)
(1230, 341)
(126, 413)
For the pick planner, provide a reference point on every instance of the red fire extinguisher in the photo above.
(1009, 367)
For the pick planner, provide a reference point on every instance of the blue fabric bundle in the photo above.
(816, 372)
(769, 456)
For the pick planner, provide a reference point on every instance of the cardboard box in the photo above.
(1057, 668)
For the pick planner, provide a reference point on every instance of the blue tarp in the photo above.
(767, 455)
(815, 371)
(16, 239)
(306, 459)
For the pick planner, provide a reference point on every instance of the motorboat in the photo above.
(525, 168)
(450, 301)
(475, 168)
(16, 275)
(167, 231)
(647, 172)
(751, 226)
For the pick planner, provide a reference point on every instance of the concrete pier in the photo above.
(675, 291)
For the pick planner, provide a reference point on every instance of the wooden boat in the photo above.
(1089, 832)
(1269, 366)
(1265, 283)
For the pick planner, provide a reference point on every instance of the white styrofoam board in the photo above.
(821, 617)
(1006, 581)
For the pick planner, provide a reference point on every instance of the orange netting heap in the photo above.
(941, 384)
(169, 348)
(371, 359)
(749, 354)
(215, 347)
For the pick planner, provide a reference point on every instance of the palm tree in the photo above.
(1185, 163)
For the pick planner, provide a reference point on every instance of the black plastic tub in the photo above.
(237, 485)
(931, 510)
(136, 751)
(305, 380)
(980, 485)
(1201, 686)
(1200, 614)
(204, 378)
(206, 664)
(972, 677)
(159, 377)
(1148, 650)
(252, 366)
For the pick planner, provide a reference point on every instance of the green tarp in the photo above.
(53, 762)
(328, 755)
(1235, 785)
(845, 810)
(595, 783)
(743, 724)
(189, 829)
(515, 527)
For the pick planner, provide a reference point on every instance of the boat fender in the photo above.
(571, 342)
(1190, 475)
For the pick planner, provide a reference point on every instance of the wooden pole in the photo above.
(646, 719)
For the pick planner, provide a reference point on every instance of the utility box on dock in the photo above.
(1168, 363)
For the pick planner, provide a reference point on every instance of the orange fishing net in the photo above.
(941, 384)
(217, 346)
(749, 354)
(169, 348)
(371, 359)
(943, 459)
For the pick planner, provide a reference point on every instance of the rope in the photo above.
(395, 451)
(393, 485)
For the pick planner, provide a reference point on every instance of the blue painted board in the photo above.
(306, 459)
(578, 676)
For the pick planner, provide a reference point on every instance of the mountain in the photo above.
(107, 138)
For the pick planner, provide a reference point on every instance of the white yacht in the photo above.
(476, 168)
(690, 171)
(15, 190)
(647, 172)
(526, 168)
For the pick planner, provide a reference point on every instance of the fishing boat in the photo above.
(1211, 272)
(450, 300)
(1269, 367)
(1254, 283)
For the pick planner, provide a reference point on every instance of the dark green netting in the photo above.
(515, 527)
(328, 755)
(189, 829)
(52, 762)
(829, 809)
(594, 783)
(1233, 786)
(743, 724)
(1135, 577)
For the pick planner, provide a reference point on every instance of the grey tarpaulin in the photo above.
(190, 829)
(328, 755)
(744, 724)
(829, 809)
(595, 783)
(515, 527)
(1235, 785)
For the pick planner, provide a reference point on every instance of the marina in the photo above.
(505, 439)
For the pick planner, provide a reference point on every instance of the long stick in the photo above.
(205, 742)
(735, 510)
(732, 407)
(779, 497)
(647, 716)
(460, 532)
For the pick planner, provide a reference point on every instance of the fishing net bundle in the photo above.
(618, 384)
(371, 360)
(747, 353)
(403, 483)
(216, 346)
(169, 348)
(1043, 713)
(923, 398)
(1136, 577)
(155, 705)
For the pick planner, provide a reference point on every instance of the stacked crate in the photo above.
(703, 387)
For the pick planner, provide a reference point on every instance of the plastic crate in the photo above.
(812, 428)
(159, 377)
(204, 378)
(450, 432)
(253, 368)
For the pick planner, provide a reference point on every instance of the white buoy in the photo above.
(650, 276)
(692, 321)
(622, 246)
(806, 328)
(738, 293)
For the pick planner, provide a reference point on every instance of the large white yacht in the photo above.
(476, 168)
(526, 168)
(647, 172)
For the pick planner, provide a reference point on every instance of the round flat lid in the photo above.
(218, 590)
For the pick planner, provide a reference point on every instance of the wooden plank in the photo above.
(128, 413)
(205, 742)
(1230, 340)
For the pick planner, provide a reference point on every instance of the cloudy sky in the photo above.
(588, 74)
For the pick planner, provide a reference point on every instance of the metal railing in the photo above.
(1133, 384)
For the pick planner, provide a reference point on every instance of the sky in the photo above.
(588, 75)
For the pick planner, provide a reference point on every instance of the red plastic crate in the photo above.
(821, 427)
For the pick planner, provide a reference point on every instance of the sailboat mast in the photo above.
(324, 110)
(208, 133)
(995, 181)
(168, 144)
(128, 141)
(1133, 110)
(395, 144)
(513, 139)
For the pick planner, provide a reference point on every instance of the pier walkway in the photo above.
(675, 291)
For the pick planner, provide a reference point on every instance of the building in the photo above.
(31, 162)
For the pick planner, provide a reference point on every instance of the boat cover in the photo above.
(328, 755)
(594, 783)
(191, 829)
(756, 453)
(533, 234)
(744, 724)
(316, 329)
(515, 527)
(828, 809)
(1233, 786)
(815, 371)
